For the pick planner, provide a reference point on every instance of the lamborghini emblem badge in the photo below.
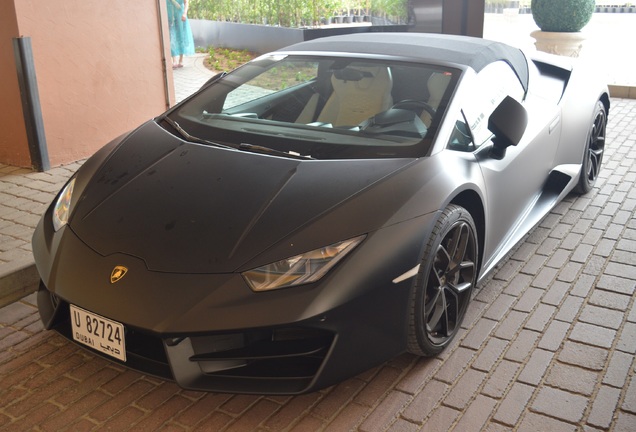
(117, 274)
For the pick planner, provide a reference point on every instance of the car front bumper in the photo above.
(210, 332)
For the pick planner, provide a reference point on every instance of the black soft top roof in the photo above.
(464, 50)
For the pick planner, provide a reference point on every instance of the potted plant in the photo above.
(561, 22)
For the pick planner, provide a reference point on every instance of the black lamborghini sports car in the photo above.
(316, 211)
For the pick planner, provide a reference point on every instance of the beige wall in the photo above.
(13, 140)
(100, 67)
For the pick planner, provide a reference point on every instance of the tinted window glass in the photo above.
(494, 83)
(323, 107)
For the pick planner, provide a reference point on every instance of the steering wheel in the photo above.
(415, 105)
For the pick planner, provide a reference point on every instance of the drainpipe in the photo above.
(31, 108)
(166, 85)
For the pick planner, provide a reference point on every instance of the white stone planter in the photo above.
(560, 43)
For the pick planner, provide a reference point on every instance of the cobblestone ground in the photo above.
(191, 77)
(24, 196)
(548, 345)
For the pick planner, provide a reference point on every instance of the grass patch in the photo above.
(277, 78)
(227, 59)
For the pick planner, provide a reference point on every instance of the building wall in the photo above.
(13, 139)
(100, 67)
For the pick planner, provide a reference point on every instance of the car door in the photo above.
(514, 182)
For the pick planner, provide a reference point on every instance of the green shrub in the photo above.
(562, 15)
(293, 13)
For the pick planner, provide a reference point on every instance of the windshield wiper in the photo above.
(243, 146)
(185, 135)
(261, 149)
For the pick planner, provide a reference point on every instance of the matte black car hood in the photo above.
(185, 207)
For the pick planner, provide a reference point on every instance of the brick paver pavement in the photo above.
(24, 196)
(548, 344)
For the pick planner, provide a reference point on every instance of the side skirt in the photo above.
(560, 182)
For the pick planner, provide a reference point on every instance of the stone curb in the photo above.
(623, 92)
(17, 279)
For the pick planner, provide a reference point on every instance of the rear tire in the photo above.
(594, 149)
(444, 285)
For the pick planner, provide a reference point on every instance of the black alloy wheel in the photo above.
(443, 289)
(594, 149)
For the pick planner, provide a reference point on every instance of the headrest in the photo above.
(351, 74)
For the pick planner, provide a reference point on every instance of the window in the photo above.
(461, 139)
(493, 84)
(323, 107)
(273, 80)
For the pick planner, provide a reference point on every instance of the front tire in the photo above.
(440, 296)
(594, 149)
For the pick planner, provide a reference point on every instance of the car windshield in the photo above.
(321, 107)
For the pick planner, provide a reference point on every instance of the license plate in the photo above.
(99, 333)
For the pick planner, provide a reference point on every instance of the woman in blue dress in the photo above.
(181, 41)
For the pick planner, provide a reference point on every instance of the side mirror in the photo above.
(508, 122)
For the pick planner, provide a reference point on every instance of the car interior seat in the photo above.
(358, 93)
(437, 84)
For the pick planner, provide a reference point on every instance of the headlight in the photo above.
(62, 208)
(300, 269)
